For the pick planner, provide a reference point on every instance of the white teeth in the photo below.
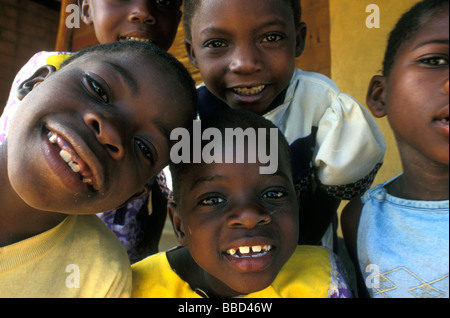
(249, 90)
(261, 250)
(244, 249)
(256, 249)
(444, 120)
(74, 166)
(53, 138)
(231, 251)
(132, 38)
(67, 157)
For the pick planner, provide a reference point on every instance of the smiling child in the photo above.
(86, 139)
(154, 21)
(238, 231)
(138, 225)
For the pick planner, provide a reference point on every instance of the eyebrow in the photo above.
(162, 128)
(437, 41)
(217, 177)
(125, 75)
(207, 179)
(270, 23)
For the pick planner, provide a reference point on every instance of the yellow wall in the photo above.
(357, 54)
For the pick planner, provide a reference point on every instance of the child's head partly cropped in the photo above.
(245, 49)
(413, 91)
(241, 226)
(91, 135)
(153, 21)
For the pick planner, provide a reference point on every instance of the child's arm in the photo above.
(349, 222)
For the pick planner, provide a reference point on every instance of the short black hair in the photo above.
(409, 23)
(155, 54)
(191, 6)
(229, 118)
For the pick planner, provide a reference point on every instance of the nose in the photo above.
(245, 60)
(107, 134)
(141, 12)
(446, 86)
(249, 216)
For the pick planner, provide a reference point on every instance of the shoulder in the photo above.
(154, 277)
(102, 259)
(149, 265)
(307, 274)
(313, 79)
(93, 237)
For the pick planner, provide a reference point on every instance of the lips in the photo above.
(441, 121)
(78, 173)
(249, 251)
(249, 91)
(73, 160)
(136, 36)
(250, 255)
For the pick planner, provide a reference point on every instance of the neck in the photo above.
(431, 184)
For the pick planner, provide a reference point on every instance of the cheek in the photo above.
(213, 74)
(104, 27)
(283, 68)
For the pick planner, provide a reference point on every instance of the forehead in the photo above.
(434, 29)
(215, 10)
(138, 66)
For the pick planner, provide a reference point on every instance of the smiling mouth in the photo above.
(255, 251)
(69, 155)
(249, 91)
(134, 38)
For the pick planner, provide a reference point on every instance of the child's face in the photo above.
(111, 113)
(117, 20)
(245, 50)
(241, 227)
(417, 92)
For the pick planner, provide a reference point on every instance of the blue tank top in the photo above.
(403, 246)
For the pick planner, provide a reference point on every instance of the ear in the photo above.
(376, 94)
(177, 224)
(300, 39)
(38, 77)
(190, 52)
(85, 11)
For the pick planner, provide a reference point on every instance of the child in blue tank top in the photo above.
(397, 234)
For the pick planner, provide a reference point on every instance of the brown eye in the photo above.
(274, 194)
(146, 151)
(212, 201)
(435, 61)
(98, 89)
(215, 44)
(165, 3)
(270, 38)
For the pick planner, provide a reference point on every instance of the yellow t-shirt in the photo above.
(307, 274)
(80, 257)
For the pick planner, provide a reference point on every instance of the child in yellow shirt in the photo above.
(84, 139)
(237, 225)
